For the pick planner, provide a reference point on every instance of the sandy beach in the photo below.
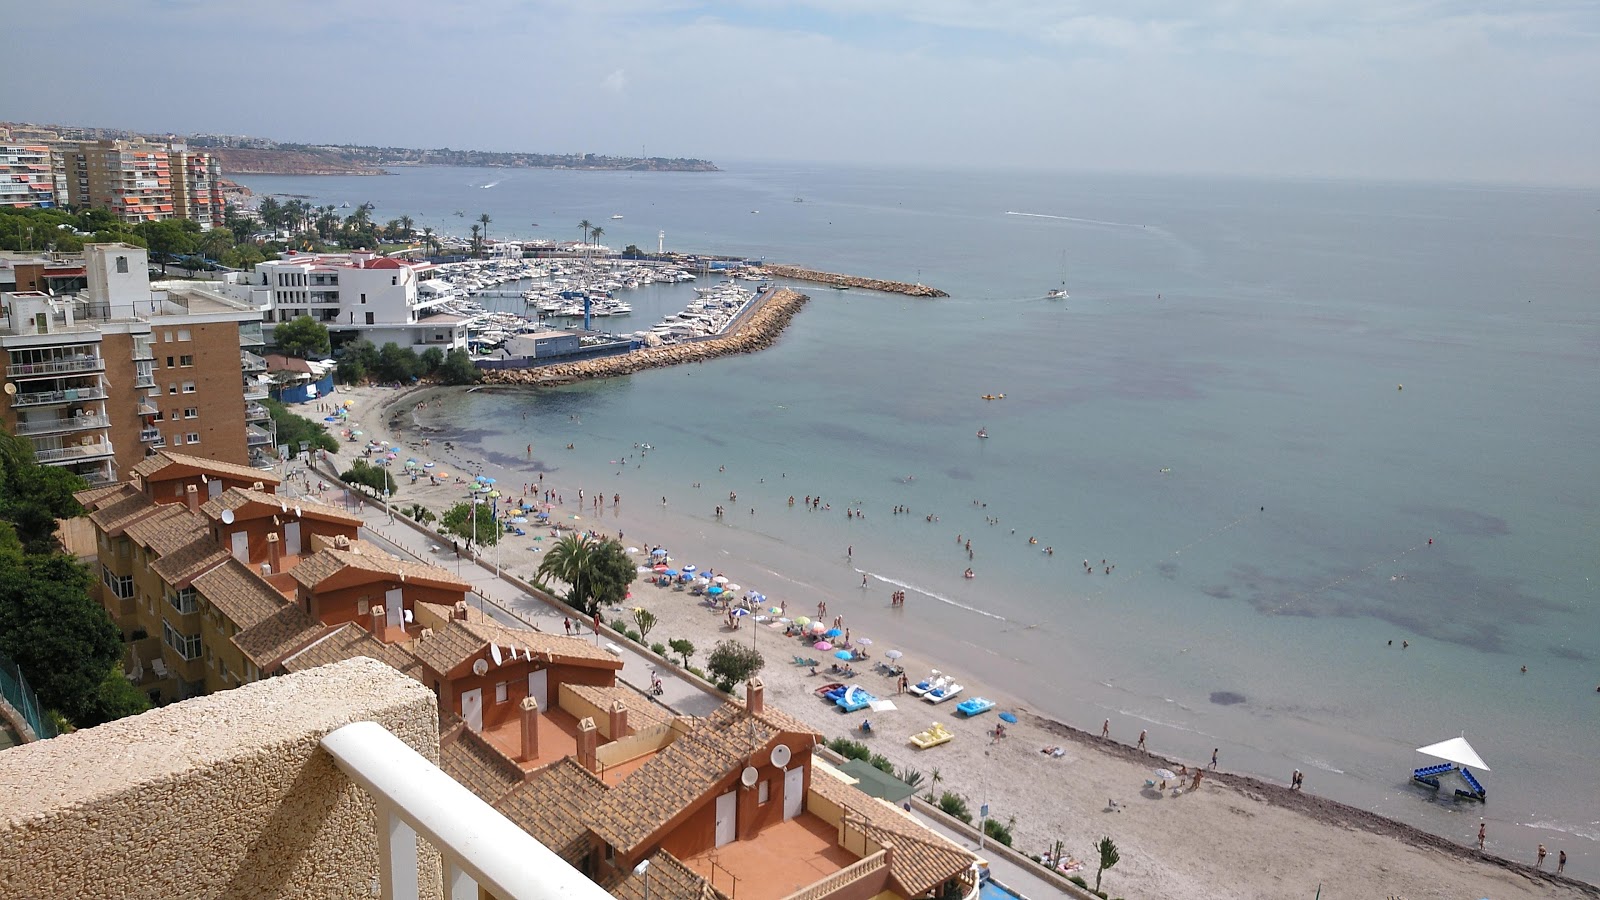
(1233, 837)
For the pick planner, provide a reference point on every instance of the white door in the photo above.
(241, 544)
(214, 488)
(291, 539)
(393, 608)
(472, 708)
(794, 788)
(727, 814)
(539, 687)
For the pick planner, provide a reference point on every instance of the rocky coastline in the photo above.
(851, 281)
(756, 331)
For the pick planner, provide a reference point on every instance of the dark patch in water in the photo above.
(1462, 521)
(1168, 570)
(1570, 653)
(1219, 591)
(959, 474)
(1226, 698)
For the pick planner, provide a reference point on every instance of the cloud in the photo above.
(616, 82)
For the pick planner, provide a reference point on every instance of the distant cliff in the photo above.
(298, 159)
(239, 161)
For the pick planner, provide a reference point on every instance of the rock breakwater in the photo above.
(755, 331)
(837, 280)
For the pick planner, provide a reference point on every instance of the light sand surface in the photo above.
(1234, 837)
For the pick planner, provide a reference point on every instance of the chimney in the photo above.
(341, 542)
(272, 551)
(618, 723)
(586, 742)
(192, 497)
(888, 855)
(755, 696)
(530, 729)
(258, 486)
(377, 622)
(461, 610)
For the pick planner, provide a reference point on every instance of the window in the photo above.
(185, 645)
(191, 412)
(169, 362)
(188, 387)
(177, 489)
(177, 440)
(500, 692)
(363, 607)
(183, 601)
(764, 793)
(167, 336)
(122, 265)
(120, 585)
(186, 361)
(369, 318)
(363, 298)
(192, 437)
(183, 334)
(172, 388)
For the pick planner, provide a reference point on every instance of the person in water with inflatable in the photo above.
(969, 574)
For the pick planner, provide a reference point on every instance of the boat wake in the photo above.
(939, 597)
(1076, 219)
(489, 185)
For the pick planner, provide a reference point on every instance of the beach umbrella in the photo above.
(1166, 774)
(802, 620)
(894, 654)
(822, 645)
(818, 628)
(713, 590)
(440, 474)
(865, 642)
(732, 588)
(844, 654)
(660, 567)
(739, 613)
(545, 515)
(659, 551)
(687, 569)
(330, 418)
(774, 610)
(672, 572)
(721, 579)
(1008, 717)
(487, 479)
(834, 632)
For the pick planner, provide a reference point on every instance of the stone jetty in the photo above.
(756, 330)
(837, 280)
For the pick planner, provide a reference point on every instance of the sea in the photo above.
(1338, 441)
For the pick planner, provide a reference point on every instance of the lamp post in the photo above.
(643, 871)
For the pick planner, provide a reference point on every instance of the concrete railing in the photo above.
(856, 871)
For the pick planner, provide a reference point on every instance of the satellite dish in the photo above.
(11, 389)
(479, 667)
(494, 651)
(749, 776)
(297, 511)
(227, 517)
(780, 755)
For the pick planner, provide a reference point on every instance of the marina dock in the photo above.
(851, 281)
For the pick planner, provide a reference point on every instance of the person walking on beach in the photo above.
(1105, 729)
(1561, 862)
(1483, 831)
(1539, 863)
(1140, 745)
(567, 624)
(1213, 758)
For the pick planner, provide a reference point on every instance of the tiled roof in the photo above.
(455, 643)
(118, 514)
(923, 859)
(666, 879)
(238, 497)
(326, 563)
(550, 807)
(180, 567)
(349, 642)
(239, 594)
(469, 758)
(167, 530)
(91, 498)
(682, 775)
(164, 458)
(277, 636)
(642, 713)
(446, 647)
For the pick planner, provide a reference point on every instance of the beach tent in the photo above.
(1456, 750)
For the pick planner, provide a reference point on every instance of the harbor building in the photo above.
(26, 179)
(100, 379)
(359, 295)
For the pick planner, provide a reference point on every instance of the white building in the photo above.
(358, 295)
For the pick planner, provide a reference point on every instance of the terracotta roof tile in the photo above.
(642, 711)
(470, 759)
(238, 497)
(349, 642)
(117, 515)
(94, 497)
(163, 458)
(668, 879)
(239, 594)
(923, 859)
(454, 644)
(179, 568)
(277, 636)
(446, 648)
(167, 530)
(681, 775)
(331, 561)
(550, 807)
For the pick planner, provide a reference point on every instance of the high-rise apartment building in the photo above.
(133, 181)
(26, 180)
(197, 187)
(100, 380)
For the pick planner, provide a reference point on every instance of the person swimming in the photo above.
(969, 574)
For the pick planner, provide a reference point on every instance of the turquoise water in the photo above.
(1214, 410)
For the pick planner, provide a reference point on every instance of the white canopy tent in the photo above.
(1456, 750)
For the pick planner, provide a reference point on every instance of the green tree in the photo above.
(405, 227)
(732, 662)
(302, 337)
(484, 220)
(242, 256)
(632, 251)
(294, 429)
(477, 241)
(1108, 858)
(594, 235)
(645, 619)
(955, 805)
(271, 213)
(584, 227)
(597, 573)
(683, 647)
(432, 359)
(167, 238)
(33, 497)
(458, 368)
(419, 513)
(458, 520)
(429, 240)
(375, 478)
(397, 363)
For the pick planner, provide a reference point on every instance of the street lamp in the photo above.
(643, 871)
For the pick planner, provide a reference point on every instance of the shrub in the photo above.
(696, 672)
(632, 635)
(619, 624)
(999, 832)
(881, 763)
(955, 805)
(658, 648)
(850, 749)
(910, 776)
(1078, 880)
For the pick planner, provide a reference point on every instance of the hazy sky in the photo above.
(1492, 89)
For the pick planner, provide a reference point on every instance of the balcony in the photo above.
(93, 450)
(66, 365)
(262, 460)
(255, 412)
(144, 380)
(63, 424)
(146, 435)
(146, 408)
(256, 436)
(251, 362)
(58, 398)
(255, 388)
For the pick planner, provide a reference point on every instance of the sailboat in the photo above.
(1060, 293)
(983, 432)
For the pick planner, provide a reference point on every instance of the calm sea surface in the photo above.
(1215, 411)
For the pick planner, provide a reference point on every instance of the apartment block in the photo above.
(26, 178)
(197, 187)
(100, 380)
(358, 295)
(133, 181)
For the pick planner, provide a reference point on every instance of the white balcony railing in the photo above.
(255, 412)
(65, 423)
(478, 845)
(78, 451)
(149, 434)
(64, 366)
(251, 362)
(255, 436)
(51, 398)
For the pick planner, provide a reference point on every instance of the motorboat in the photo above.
(983, 432)
(1056, 294)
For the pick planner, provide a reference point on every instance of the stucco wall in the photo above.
(221, 796)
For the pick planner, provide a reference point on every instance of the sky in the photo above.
(1474, 90)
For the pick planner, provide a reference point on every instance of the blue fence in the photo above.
(14, 685)
(301, 393)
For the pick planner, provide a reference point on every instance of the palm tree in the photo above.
(477, 244)
(484, 220)
(594, 235)
(428, 239)
(405, 224)
(584, 226)
(569, 561)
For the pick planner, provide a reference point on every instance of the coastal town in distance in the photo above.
(402, 522)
